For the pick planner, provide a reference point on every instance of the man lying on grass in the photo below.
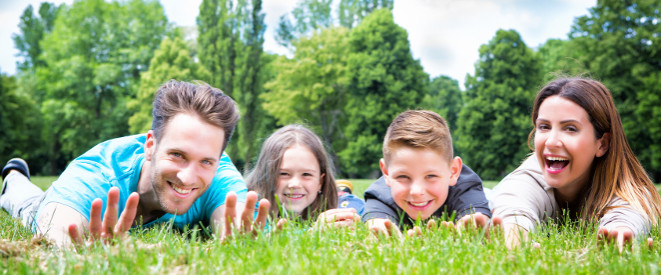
(176, 172)
(422, 179)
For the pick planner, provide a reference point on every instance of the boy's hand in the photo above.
(340, 217)
(384, 227)
(432, 225)
(110, 228)
(475, 220)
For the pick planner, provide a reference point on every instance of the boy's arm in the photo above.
(467, 197)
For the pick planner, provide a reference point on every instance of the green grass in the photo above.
(568, 248)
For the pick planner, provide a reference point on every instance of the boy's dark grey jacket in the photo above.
(464, 198)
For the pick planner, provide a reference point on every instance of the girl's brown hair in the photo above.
(264, 178)
(617, 173)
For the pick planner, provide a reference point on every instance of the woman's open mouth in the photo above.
(555, 165)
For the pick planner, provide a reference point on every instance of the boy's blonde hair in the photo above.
(418, 129)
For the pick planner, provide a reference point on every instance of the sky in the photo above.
(445, 35)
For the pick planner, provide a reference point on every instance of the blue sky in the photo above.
(445, 35)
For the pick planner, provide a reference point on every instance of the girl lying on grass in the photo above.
(293, 172)
(582, 165)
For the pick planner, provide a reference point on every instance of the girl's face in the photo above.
(299, 179)
(566, 145)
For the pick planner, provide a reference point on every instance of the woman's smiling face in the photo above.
(566, 145)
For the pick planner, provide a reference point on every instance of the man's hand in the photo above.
(340, 217)
(384, 227)
(244, 224)
(622, 236)
(110, 228)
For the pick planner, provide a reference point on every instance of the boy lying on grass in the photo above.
(421, 179)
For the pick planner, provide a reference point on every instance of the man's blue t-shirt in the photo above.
(117, 162)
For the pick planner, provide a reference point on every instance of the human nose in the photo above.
(187, 174)
(417, 189)
(294, 182)
(553, 139)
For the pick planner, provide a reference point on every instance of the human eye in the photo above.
(431, 176)
(284, 174)
(207, 162)
(176, 155)
(543, 127)
(571, 128)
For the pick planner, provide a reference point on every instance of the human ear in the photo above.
(604, 144)
(384, 170)
(150, 145)
(455, 170)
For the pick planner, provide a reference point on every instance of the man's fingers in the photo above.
(75, 236)
(128, 216)
(248, 212)
(262, 213)
(230, 213)
(96, 225)
(110, 217)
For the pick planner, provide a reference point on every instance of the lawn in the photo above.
(565, 248)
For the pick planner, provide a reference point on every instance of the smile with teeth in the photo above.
(556, 163)
(180, 190)
(294, 196)
(419, 204)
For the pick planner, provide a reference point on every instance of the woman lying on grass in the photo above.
(587, 169)
(293, 172)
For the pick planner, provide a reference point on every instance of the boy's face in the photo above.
(419, 179)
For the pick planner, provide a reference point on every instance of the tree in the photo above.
(171, 61)
(93, 59)
(231, 49)
(352, 12)
(560, 58)
(308, 16)
(33, 29)
(494, 123)
(385, 80)
(445, 98)
(311, 86)
(21, 121)
(619, 43)
(312, 15)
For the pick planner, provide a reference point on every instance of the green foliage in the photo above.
(560, 58)
(445, 98)
(308, 16)
(352, 12)
(230, 47)
(310, 87)
(620, 44)
(385, 80)
(32, 32)
(93, 59)
(20, 120)
(171, 61)
(493, 124)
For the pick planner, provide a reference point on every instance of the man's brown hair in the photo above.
(418, 129)
(209, 103)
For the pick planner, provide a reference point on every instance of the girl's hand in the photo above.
(340, 217)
